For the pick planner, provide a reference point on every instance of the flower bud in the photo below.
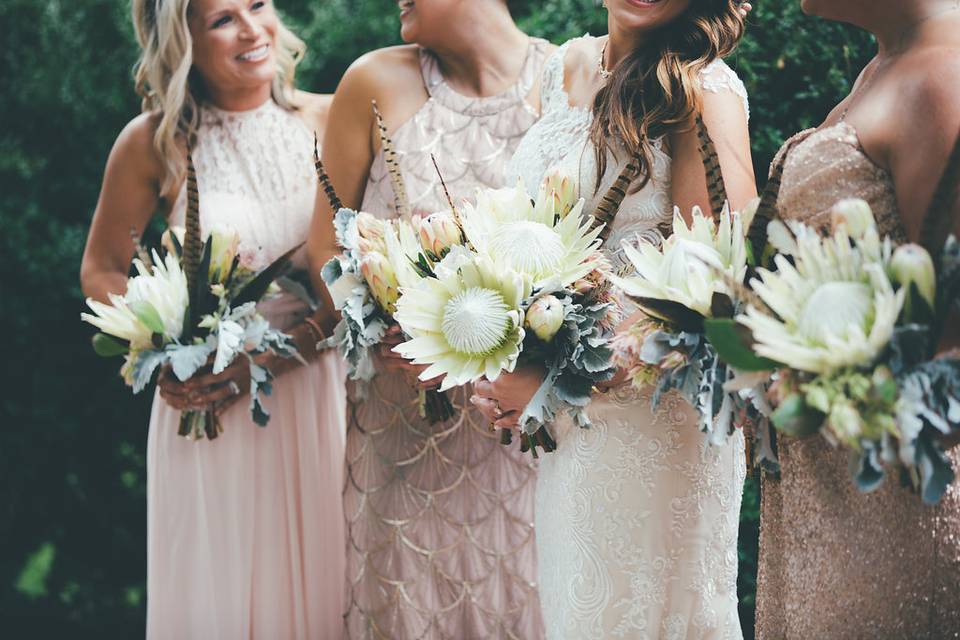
(224, 247)
(382, 280)
(854, 215)
(545, 317)
(559, 190)
(371, 230)
(846, 421)
(911, 264)
(166, 240)
(438, 232)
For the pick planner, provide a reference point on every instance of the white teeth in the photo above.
(256, 54)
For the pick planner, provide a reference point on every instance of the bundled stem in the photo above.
(335, 203)
(401, 202)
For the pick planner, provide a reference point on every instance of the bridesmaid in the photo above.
(835, 562)
(242, 542)
(439, 517)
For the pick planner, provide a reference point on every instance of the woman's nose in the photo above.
(249, 27)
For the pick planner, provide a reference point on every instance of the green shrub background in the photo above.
(72, 439)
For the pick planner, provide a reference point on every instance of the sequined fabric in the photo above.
(834, 562)
(440, 518)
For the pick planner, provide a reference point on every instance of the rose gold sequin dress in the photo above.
(440, 518)
(834, 562)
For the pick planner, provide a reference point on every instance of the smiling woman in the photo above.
(240, 542)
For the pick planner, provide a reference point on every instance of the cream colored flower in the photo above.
(833, 307)
(545, 317)
(505, 226)
(466, 324)
(438, 232)
(854, 215)
(558, 193)
(382, 280)
(911, 264)
(684, 268)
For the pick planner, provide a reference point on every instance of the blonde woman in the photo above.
(637, 517)
(245, 534)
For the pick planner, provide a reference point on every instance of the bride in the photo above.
(637, 517)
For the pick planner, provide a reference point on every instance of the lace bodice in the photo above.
(560, 139)
(255, 175)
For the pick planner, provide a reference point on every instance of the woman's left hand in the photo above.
(502, 401)
(206, 390)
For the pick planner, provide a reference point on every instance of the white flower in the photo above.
(684, 268)
(833, 307)
(545, 317)
(854, 215)
(167, 239)
(558, 193)
(911, 264)
(505, 226)
(466, 324)
(371, 231)
(155, 302)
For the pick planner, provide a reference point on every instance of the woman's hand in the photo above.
(205, 390)
(502, 402)
(393, 362)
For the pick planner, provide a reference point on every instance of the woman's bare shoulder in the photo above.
(383, 70)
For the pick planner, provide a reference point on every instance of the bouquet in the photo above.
(680, 283)
(845, 328)
(364, 282)
(481, 304)
(192, 303)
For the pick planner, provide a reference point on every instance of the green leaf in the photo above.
(148, 315)
(733, 344)
(795, 417)
(108, 347)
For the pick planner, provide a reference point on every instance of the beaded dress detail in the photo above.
(636, 517)
(244, 538)
(440, 518)
(835, 562)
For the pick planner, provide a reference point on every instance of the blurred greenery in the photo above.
(72, 447)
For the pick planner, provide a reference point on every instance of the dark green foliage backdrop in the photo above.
(72, 442)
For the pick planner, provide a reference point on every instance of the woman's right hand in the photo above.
(393, 362)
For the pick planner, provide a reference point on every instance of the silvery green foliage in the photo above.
(362, 325)
(700, 381)
(237, 332)
(577, 358)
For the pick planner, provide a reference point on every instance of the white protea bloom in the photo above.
(155, 302)
(378, 271)
(466, 324)
(855, 215)
(912, 265)
(505, 226)
(834, 307)
(403, 251)
(684, 269)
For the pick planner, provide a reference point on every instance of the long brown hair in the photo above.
(655, 90)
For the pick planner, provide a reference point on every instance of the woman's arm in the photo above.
(128, 199)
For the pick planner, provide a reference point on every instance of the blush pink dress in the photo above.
(440, 517)
(245, 533)
(835, 562)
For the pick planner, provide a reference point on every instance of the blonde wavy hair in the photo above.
(655, 90)
(165, 80)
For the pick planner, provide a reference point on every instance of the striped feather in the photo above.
(716, 188)
(324, 179)
(393, 166)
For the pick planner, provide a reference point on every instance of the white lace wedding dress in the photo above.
(636, 517)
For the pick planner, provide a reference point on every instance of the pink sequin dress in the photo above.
(245, 533)
(440, 518)
(835, 562)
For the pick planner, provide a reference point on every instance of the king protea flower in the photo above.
(833, 307)
(155, 303)
(466, 324)
(438, 233)
(684, 269)
(511, 230)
